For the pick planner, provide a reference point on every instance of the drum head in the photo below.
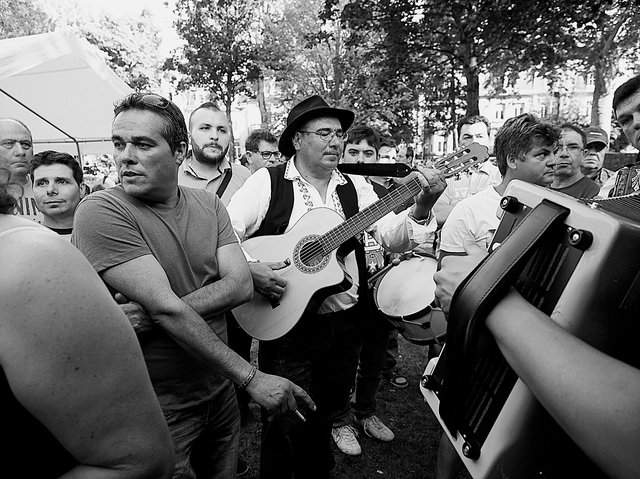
(407, 288)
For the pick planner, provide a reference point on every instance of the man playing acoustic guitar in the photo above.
(320, 349)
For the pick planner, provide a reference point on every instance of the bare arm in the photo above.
(232, 289)
(144, 281)
(594, 397)
(58, 334)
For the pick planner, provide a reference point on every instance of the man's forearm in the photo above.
(219, 297)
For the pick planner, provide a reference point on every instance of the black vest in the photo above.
(278, 215)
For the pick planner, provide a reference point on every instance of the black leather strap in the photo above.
(478, 294)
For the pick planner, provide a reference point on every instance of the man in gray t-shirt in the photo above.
(172, 250)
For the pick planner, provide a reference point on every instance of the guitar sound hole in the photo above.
(311, 254)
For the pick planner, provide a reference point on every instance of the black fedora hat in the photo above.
(312, 107)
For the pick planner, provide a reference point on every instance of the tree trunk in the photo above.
(473, 87)
(232, 139)
(265, 117)
(598, 115)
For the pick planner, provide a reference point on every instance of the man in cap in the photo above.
(593, 162)
(321, 351)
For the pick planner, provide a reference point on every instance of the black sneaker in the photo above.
(242, 467)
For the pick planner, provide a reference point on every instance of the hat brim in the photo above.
(597, 140)
(285, 144)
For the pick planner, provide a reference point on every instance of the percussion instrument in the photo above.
(577, 262)
(404, 291)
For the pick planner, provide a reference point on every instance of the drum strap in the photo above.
(478, 294)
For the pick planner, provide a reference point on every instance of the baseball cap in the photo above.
(596, 135)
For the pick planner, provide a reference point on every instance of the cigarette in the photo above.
(299, 414)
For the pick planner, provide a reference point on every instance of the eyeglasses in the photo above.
(326, 134)
(571, 149)
(268, 154)
(9, 144)
(151, 99)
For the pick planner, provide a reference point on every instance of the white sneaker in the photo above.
(346, 438)
(375, 428)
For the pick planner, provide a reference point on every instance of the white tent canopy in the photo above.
(65, 81)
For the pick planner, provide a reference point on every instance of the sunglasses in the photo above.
(156, 101)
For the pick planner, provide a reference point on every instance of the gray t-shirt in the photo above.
(111, 228)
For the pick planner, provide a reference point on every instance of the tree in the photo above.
(22, 17)
(218, 54)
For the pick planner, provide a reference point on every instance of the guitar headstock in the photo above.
(462, 159)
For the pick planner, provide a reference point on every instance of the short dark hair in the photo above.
(207, 105)
(577, 129)
(174, 130)
(471, 120)
(515, 137)
(50, 157)
(253, 141)
(624, 91)
(363, 132)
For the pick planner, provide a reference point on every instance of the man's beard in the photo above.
(202, 157)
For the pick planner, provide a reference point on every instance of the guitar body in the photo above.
(311, 278)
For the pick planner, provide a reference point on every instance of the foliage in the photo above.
(22, 17)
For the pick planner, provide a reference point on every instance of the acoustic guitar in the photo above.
(315, 250)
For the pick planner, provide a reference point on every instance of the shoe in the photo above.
(242, 467)
(375, 428)
(399, 382)
(346, 438)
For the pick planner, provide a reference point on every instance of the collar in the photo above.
(222, 167)
(292, 173)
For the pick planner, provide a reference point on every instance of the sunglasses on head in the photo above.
(153, 100)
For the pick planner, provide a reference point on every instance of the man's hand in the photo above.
(136, 314)
(433, 184)
(266, 281)
(277, 395)
(455, 269)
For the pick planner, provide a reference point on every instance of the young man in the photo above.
(207, 167)
(172, 250)
(16, 153)
(524, 150)
(568, 178)
(261, 150)
(593, 162)
(57, 181)
(471, 129)
(321, 351)
(361, 146)
(626, 107)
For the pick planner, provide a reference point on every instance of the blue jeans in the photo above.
(320, 354)
(206, 438)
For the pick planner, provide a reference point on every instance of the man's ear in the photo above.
(512, 162)
(181, 153)
(84, 190)
(295, 141)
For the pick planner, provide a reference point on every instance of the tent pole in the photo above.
(47, 121)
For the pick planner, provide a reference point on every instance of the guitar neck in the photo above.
(335, 237)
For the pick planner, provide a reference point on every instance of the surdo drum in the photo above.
(404, 292)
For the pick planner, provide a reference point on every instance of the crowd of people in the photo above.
(120, 352)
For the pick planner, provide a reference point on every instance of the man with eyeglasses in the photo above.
(568, 178)
(321, 351)
(172, 250)
(16, 153)
(207, 166)
(593, 162)
(261, 150)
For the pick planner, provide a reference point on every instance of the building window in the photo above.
(500, 111)
(518, 109)
(544, 111)
(587, 109)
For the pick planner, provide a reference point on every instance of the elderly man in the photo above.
(157, 242)
(568, 178)
(593, 162)
(57, 179)
(16, 153)
(321, 351)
